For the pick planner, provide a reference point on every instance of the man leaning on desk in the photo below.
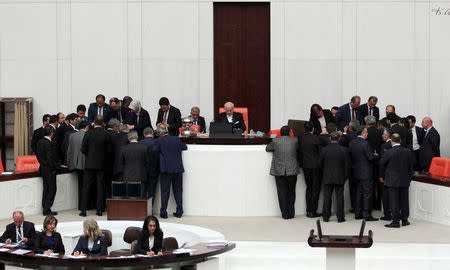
(230, 116)
(19, 231)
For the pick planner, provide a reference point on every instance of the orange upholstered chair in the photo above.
(275, 131)
(26, 164)
(243, 110)
(440, 167)
(1, 166)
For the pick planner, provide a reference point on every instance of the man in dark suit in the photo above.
(153, 168)
(99, 107)
(198, 120)
(94, 146)
(38, 134)
(135, 160)
(320, 119)
(138, 118)
(389, 109)
(396, 169)
(430, 144)
(308, 158)
(230, 116)
(375, 141)
(392, 120)
(385, 192)
(362, 159)
(112, 131)
(370, 108)
(117, 110)
(117, 141)
(49, 166)
(171, 165)
(18, 231)
(335, 162)
(65, 134)
(348, 112)
(81, 112)
(417, 135)
(170, 116)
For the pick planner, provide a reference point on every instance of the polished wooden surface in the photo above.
(242, 59)
(201, 253)
(16, 176)
(119, 209)
(427, 178)
(366, 242)
(228, 141)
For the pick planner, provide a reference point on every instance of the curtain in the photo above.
(21, 136)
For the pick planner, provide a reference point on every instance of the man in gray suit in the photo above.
(75, 159)
(285, 168)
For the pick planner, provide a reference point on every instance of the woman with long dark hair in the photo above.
(150, 239)
(49, 241)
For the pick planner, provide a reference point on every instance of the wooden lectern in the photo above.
(340, 249)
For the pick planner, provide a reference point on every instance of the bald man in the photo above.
(430, 144)
(19, 230)
(230, 116)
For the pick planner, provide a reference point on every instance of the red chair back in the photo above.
(243, 110)
(440, 167)
(278, 132)
(1, 166)
(26, 164)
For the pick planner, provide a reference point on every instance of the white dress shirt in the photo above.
(415, 141)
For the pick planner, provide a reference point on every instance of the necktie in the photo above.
(371, 112)
(353, 114)
(100, 110)
(19, 234)
(165, 118)
(195, 122)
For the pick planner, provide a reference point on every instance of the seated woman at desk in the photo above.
(49, 241)
(92, 242)
(150, 238)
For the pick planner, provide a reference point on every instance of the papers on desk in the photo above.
(144, 256)
(7, 173)
(217, 243)
(21, 251)
(4, 249)
(47, 255)
(2, 244)
(122, 257)
(183, 250)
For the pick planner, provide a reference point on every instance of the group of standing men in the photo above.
(352, 144)
(114, 142)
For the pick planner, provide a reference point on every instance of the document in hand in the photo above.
(217, 243)
(4, 249)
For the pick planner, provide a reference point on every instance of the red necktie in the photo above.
(165, 118)
(353, 114)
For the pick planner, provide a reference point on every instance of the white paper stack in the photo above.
(21, 251)
(217, 243)
(4, 249)
(183, 250)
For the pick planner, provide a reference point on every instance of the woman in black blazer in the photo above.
(150, 238)
(49, 241)
(92, 242)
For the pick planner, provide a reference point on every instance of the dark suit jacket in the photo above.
(100, 247)
(135, 160)
(429, 148)
(170, 148)
(316, 123)
(58, 138)
(374, 138)
(109, 153)
(396, 167)
(47, 156)
(335, 162)
(117, 141)
(309, 151)
(201, 122)
(404, 134)
(238, 120)
(364, 109)
(420, 132)
(142, 246)
(385, 146)
(38, 134)
(362, 157)
(343, 116)
(28, 231)
(41, 243)
(120, 114)
(153, 169)
(144, 121)
(93, 110)
(94, 147)
(173, 120)
(346, 139)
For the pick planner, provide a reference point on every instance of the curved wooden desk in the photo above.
(169, 260)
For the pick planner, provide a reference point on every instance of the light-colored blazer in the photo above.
(284, 161)
(75, 159)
